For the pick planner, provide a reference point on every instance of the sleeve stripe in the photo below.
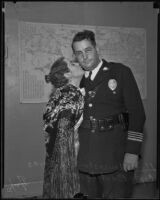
(140, 138)
(133, 132)
(135, 135)
(135, 139)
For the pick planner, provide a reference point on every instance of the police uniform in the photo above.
(113, 120)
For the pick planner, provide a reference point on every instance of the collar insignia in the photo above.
(105, 68)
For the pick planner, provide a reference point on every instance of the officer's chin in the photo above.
(87, 66)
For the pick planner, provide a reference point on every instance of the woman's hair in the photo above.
(56, 75)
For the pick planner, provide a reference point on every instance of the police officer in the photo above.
(111, 133)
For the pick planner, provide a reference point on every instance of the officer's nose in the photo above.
(84, 55)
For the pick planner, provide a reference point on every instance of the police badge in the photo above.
(112, 84)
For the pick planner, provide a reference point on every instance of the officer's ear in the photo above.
(97, 49)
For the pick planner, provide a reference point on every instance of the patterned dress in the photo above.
(63, 113)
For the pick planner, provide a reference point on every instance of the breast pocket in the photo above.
(105, 93)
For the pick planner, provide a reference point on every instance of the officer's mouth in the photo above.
(87, 64)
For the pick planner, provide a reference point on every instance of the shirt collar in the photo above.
(94, 71)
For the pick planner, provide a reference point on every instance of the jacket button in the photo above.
(90, 105)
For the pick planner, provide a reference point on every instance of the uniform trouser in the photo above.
(109, 185)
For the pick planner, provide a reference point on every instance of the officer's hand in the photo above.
(130, 162)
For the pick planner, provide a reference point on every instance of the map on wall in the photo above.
(40, 44)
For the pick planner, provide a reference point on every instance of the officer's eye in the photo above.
(78, 53)
(88, 50)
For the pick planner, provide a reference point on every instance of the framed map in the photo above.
(40, 44)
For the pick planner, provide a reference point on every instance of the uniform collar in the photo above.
(94, 71)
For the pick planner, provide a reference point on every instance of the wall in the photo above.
(24, 142)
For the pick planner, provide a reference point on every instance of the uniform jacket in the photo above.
(103, 152)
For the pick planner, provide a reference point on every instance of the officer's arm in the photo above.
(134, 105)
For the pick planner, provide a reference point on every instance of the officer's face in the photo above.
(86, 54)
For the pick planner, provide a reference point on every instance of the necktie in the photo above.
(90, 74)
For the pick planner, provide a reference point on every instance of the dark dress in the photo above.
(63, 113)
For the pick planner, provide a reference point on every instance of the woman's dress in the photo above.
(63, 112)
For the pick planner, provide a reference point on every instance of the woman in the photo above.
(62, 117)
